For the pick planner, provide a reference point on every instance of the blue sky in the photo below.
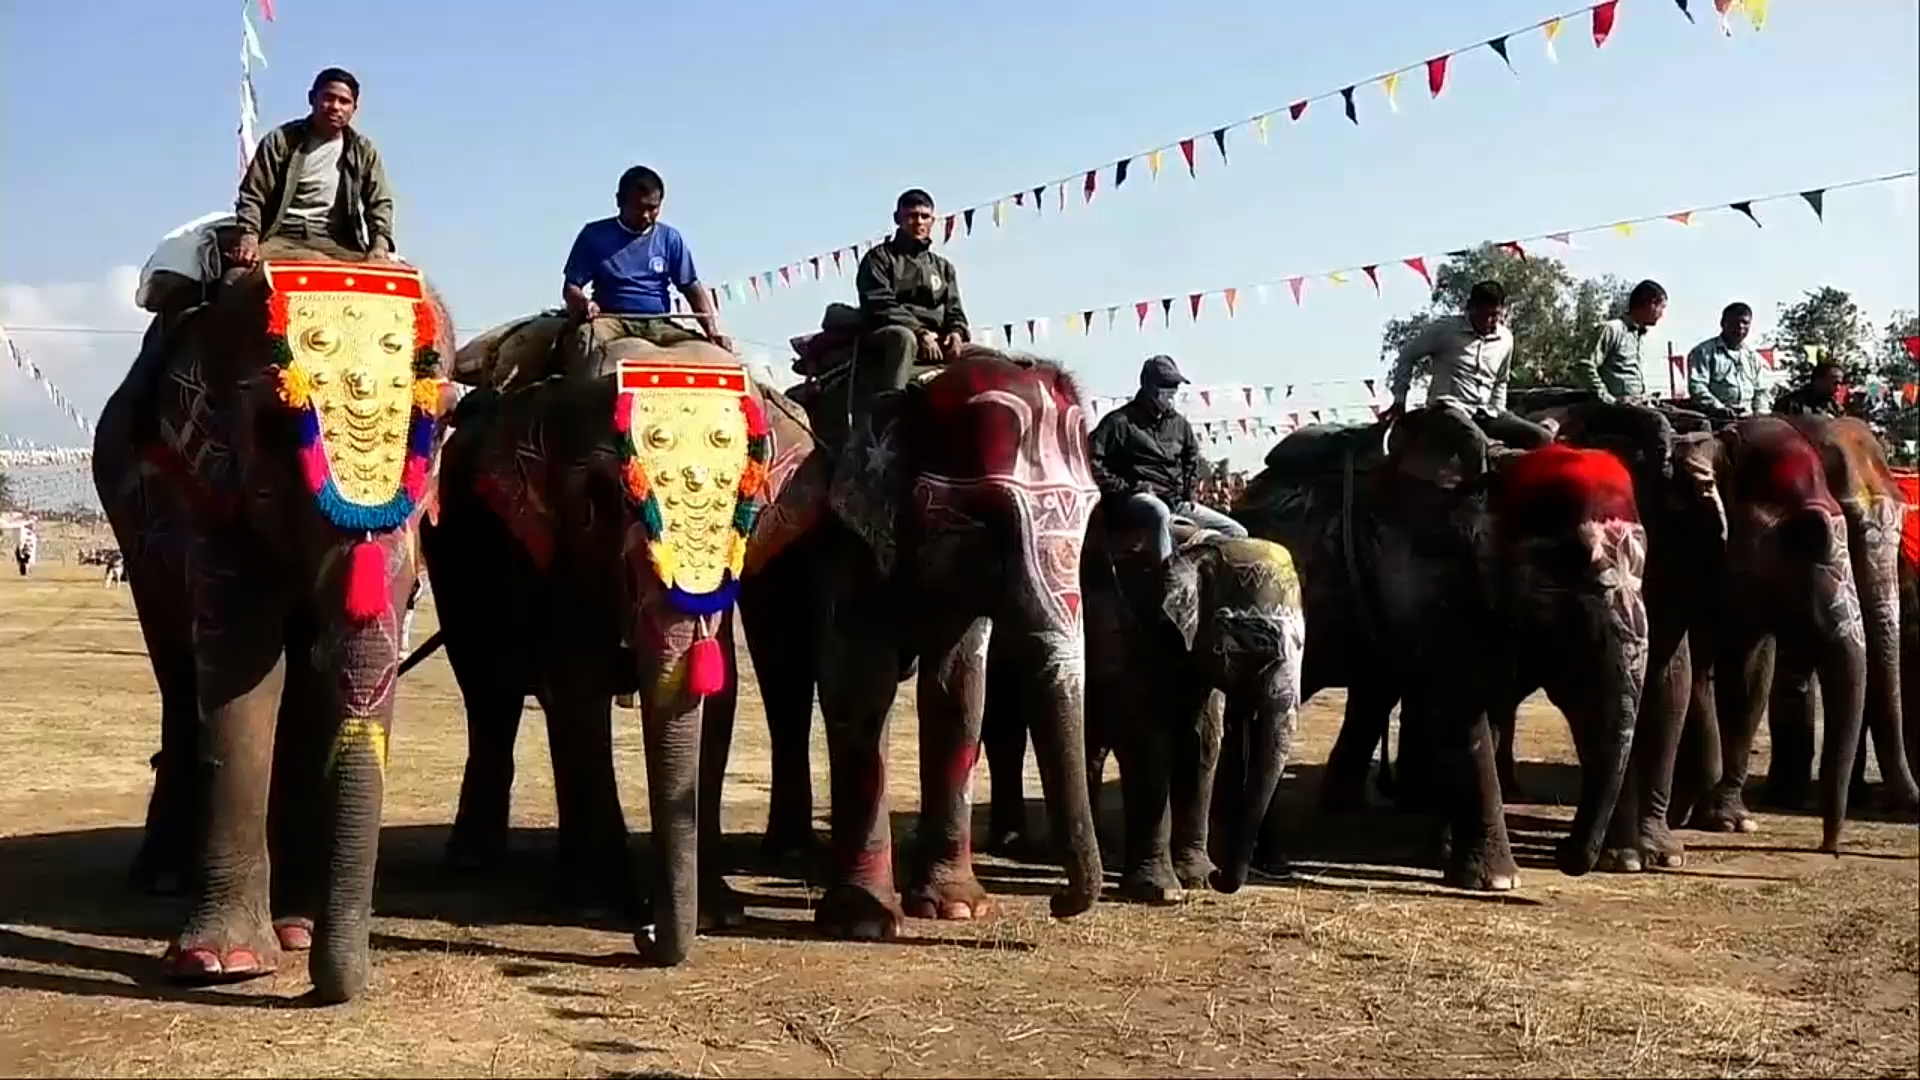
(785, 129)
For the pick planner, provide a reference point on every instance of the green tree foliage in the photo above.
(1899, 369)
(1553, 315)
(1828, 319)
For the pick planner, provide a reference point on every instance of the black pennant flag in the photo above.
(1006, 331)
(1499, 45)
(1347, 95)
(1745, 206)
(1220, 140)
(1817, 198)
(1166, 311)
(1120, 171)
(1039, 197)
(1683, 9)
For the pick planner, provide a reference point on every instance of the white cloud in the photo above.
(87, 366)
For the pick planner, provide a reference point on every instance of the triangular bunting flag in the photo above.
(1088, 185)
(1549, 32)
(1261, 295)
(1347, 96)
(1296, 110)
(1390, 85)
(1075, 324)
(1373, 275)
(1140, 311)
(1370, 390)
(1499, 45)
(836, 260)
(1296, 285)
(1230, 296)
(1006, 331)
(1683, 9)
(1757, 13)
(1206, 398)
(1768, 355)
(786, 277)
(1039, 199)
(999, 213)
(1166, 311)
(952, 223)
(1153, 164)
(814, 264)
(1513, 247)
(1030, 334)
(1603, 21)
(1337, 277)
(1684, 217)
(966, 220)
(1220, 143)
(1817, 198)
(1561, 238)
(1120, 171)
(1437, 75)
(754, 284)
(1745, 206)
(1193, 305)
(1624, 228)
(1259, 130)
(1186, 151)
(1061, 191)
(1418, 264)
(1110, 314)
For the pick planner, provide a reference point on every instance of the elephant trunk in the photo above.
(671, 721)
(1257, 740)
(1842, 670)
(1056, 682)
(356, 777)
(1880, 609)
(1607, 743)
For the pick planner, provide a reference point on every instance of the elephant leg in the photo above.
(1195, 759)
(1363, 729)
(1741, 683)
(1790, 726)
(952, 695)
(1004, 732)
(1876, 566)
(176, 815)
(720, 905)
(1697, 761)
(1144, 752)
(771, 604)
(1504, 720)
(859, 668)
(1637, 834)
(1482, 855)
(241, 670)
(298, 799)
(494, 693)
(594, 872)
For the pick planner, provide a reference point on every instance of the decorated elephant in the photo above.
(265, 477)
(1180, 659)
(592, 538)
(1433, 569)
(959, 508)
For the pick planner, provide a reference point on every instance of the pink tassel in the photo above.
(366, 581)
(313, 463)
(415, 478)
(706, 668)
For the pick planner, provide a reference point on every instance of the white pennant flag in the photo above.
(252, 41)
(249, 105)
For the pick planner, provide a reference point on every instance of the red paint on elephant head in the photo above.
(1776, 467)
(1559, 487)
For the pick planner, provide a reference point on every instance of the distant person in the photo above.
(1470, 359)
(315, 184)
(621, 270)
(1146, 459)
(1819, 395)
(1723, 372)
(911, 314)
(1613, 371)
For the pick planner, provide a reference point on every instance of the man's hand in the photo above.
(929, 347)
(244, 252)
(380, 254)
(951, 344)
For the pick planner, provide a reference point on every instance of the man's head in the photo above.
(1647, 303)
(335, 97)
(1160, 380)
(1485, 304)
(913, 215)
(639, 197)
(1736, 319)
(1824, 380)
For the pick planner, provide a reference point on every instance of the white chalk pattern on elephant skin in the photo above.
(367, 655)
(1619, 552)
(1880, 526)
(1843, 610)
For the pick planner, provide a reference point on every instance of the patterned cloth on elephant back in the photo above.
(529, 349)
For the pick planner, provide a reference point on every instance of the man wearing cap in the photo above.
(1146, 458)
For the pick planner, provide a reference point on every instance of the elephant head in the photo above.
(1572, 552)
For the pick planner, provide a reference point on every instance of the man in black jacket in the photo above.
(909, 302)
(1146, 459)
(1818, 396)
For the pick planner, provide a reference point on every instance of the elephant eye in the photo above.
(392, 343)
(659, 437)
(320, 339)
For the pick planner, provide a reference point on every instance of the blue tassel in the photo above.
(352, 517)
(650, 517)
(309, 428)
(718, 600)
(420, 435)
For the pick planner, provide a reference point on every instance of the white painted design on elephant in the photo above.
(1618, 549)
(1064, 659)
(1843, 607)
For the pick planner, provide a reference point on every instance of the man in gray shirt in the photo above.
(1470, 358)
(1613, 370)
(1723, 372)
(316, 184)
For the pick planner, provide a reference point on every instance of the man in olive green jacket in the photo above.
(316, 184)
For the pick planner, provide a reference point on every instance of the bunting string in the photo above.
(1137, 313)
(1082, 185)
(54, 394)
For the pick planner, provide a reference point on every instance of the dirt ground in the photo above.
(1760, 958)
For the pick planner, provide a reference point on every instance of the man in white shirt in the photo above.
(1469, 358)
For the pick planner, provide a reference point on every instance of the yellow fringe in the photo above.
(296, 385)
(426, 395)
(664, 562)
(737, 557)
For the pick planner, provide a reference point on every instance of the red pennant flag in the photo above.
(836, 260)
(1088, 185)
(1193, 305)
(1418, 264)
(1512, 247)
(1677, 361)
(1603, 21)
(1684, 217)
(815, 263)
(1913, 346)
(1140, 312)
(1437, 75)
(952, 222)
(1294, 285)
(266, 8)
(1373, 275)
(1768, 356)
(785, 277)
(1166, 311)
(1186, 151)
(1296, 110)
(1231, 296)
(1206, 398)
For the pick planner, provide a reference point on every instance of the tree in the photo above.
(1900, 369)
(1553, 315)
(1828, 319)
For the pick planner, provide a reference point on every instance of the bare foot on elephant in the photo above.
(1616, 860)
(1723, 811)
(1152, 884)
(855, 914)
(952, 895)
(295, 933)
(1194, 869)
(1659, 848)
(223, 948)
(1480, 871)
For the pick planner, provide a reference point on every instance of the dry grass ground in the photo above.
(1760, 958)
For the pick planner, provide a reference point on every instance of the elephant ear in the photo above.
(1181, 601)
(510, 471)
(869, 480)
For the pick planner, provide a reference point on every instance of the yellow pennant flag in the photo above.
(1074, 325)
(1625, 228)
(999, 213)
(1551, 31)
(1757, 13)
(1153, 164)
(1391, 83)
(1260, 127)
(1337, 277)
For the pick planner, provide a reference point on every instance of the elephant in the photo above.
(1182, 659)
(1434, 569)
(618, 514)
(264, 465)
(958, 511)
(1811, 592)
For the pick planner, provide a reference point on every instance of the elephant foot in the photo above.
(1619, 860)
(1155, 884)
(1658, 847)
(721, 908)
(1479, 872)
(852, 913)
(1724, 812)
(1194, 869)
(223, 949)
(294, 932)
(954, 896)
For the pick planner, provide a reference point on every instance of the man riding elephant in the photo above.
(629, 261)
(1470, 358)
(1614, 370)
(911, 316)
